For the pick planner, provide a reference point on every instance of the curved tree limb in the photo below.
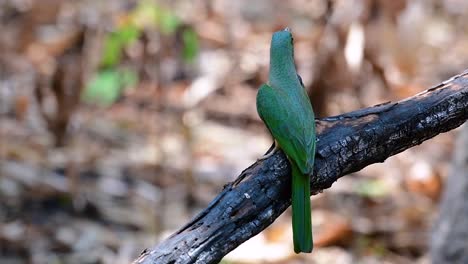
(346, 144)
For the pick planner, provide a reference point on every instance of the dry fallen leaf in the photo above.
(422, 178)
(333, 231)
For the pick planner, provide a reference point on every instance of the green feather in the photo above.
(285, 108)
(301, 216)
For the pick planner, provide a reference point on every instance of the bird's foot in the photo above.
(270, 152)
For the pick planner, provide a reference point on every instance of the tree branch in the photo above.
(346, 144)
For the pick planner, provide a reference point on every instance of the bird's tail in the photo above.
(301, 215)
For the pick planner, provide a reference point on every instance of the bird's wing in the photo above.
(289, 124)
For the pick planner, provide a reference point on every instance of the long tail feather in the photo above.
(301, 216)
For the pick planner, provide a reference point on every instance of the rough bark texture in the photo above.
(346, 144)
(450, 234)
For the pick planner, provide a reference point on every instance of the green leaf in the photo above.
(168, 22)
(107, 86)
(112, 51)
(128, 78)
(190, 49)
(128, 33)
(116, 41)
(372, 188)
(145, 14)
(148, 13)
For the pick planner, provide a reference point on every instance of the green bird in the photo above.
(285, 108)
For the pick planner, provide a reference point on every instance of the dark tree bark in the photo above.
(450, 234)
(346, 144)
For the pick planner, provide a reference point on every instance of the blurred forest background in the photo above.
(122, 119)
